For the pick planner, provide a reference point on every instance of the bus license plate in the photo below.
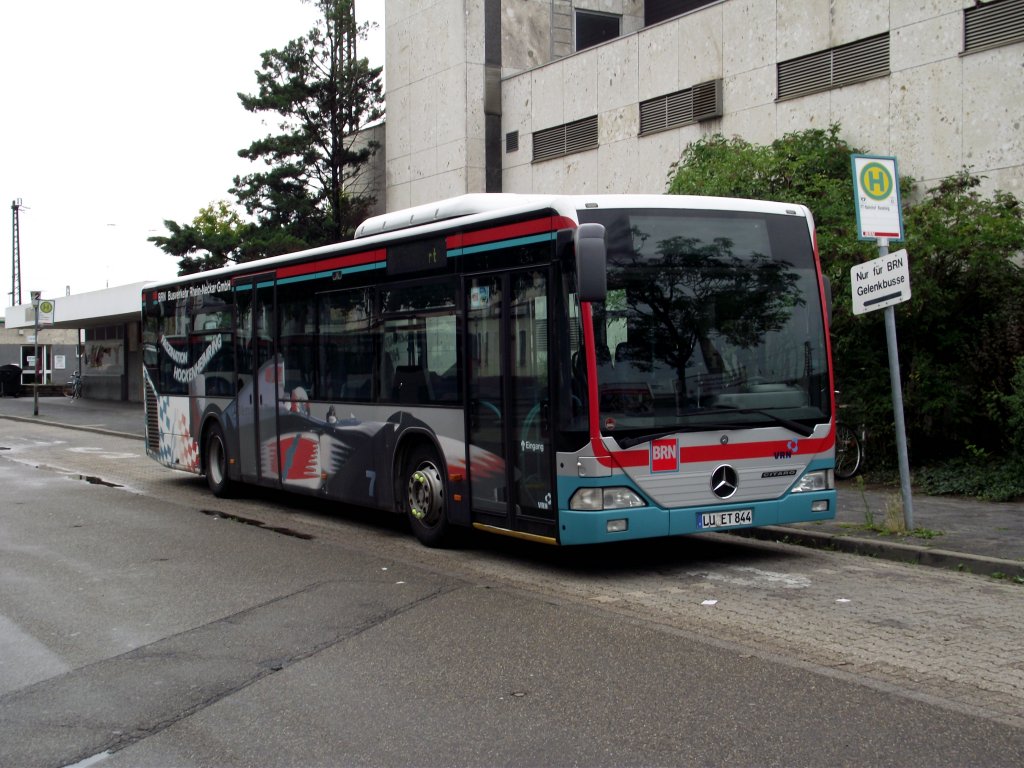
(730, 519)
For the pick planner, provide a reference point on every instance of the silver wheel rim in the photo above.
(425, 492)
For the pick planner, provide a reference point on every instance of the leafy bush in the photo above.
(1009, 409)
(960, 337)
(987, 479)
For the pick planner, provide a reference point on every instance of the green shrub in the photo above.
(988, 479)
(960, 337)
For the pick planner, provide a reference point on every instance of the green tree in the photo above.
(306, 193)
(964, 329)
(962, 333)
(812, 168)
(213, 239)
(324, 95)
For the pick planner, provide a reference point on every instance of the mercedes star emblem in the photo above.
(724, 481)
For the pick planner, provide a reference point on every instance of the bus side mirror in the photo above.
(591, 263)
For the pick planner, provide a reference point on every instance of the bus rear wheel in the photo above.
(423, 494)
(217, 463)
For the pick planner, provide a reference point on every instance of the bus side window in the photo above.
(411, 385)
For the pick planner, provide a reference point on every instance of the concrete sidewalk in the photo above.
(952, 532)
(92, 415)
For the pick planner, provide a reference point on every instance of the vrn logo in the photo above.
(791, 447)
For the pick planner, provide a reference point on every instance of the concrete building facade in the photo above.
(604, 95)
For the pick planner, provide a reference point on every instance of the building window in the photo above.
(701, 102)
(833, 68)
(593, 28)
(562, 140)
(993, 24)
(659, 10)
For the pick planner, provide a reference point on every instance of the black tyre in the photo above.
(848, 453)
(216, 457)
(424, 496)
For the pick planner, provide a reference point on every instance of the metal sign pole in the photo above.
(884, 282)
(35, 320)
(897, 403)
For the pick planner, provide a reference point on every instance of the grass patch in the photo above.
(1000, 576)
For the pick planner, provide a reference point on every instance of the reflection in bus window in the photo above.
(296, 341)
(346, 346)
(419, 344)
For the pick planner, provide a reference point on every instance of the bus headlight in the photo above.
(822, 480)
(593, 499)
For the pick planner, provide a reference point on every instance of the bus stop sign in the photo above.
(876, 184)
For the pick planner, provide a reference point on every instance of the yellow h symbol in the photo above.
(876, 181)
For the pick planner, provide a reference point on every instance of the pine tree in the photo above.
(305, 196)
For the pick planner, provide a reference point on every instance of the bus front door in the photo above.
(510, 451)
(257, 379)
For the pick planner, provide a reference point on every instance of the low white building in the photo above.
(96, 333)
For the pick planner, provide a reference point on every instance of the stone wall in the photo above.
(937, 110)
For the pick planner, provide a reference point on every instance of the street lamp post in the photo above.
(35, 321)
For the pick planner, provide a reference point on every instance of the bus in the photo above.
(562, 369)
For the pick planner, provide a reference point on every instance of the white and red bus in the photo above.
(563, 369)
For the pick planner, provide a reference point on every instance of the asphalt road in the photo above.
(144, 622)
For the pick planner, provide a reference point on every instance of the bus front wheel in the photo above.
(217, 463)
(423, 494)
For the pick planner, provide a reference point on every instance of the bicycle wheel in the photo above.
(848, 454)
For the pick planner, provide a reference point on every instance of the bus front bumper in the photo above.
(595, 527)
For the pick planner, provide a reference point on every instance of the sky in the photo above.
(120, 114)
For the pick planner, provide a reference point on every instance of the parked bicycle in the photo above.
(849, 452)
(73, 388)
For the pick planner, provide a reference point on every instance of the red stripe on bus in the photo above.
(509, 231)
(729, 452)
(338, 262)
(739, 451)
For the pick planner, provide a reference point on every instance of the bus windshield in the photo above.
(713, 320)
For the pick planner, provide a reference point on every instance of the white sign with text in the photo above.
(880, 282)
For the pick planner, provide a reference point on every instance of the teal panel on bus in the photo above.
(330, 273)
(544, 238)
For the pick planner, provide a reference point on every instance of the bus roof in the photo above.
(478, 209)
(567, 205)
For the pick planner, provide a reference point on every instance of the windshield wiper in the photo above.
(793, 426)
(629, 442)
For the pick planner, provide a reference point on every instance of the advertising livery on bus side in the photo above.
(563, 369)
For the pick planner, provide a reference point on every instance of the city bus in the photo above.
(562, 369)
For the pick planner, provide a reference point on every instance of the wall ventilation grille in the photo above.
(844, 65)
(993, 24)
(566, 139)
(701, 102)
(512, 141)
